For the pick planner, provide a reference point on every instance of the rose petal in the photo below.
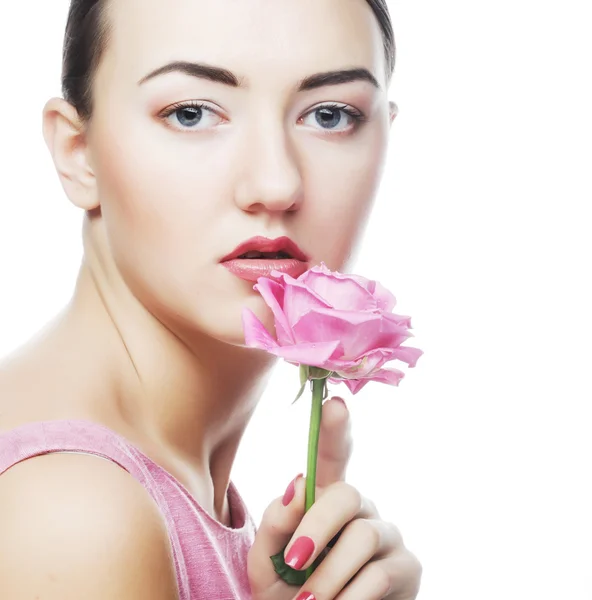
(340, 291)
(363, 366)
(408, 354)
(367, 284)
(256, 335)
(359, 332)
(354, 385)
(320, 268)
(313, 354)
(399, 320)
(390, 376)
(372, 361)
(385, 300)
(298, 300)
(273, 295)
(282, 278)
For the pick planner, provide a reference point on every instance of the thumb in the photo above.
(335, 443)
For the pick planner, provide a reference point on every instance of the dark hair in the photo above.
(87, 36)
(84, 44)
(380, 9)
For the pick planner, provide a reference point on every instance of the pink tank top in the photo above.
(210, 558)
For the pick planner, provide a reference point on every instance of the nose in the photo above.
(271, 178)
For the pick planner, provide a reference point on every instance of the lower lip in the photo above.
(250, 269)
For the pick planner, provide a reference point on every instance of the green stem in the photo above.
(318, 389)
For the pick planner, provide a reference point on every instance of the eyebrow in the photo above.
(225, 77)
(199, 70)
(336, 78)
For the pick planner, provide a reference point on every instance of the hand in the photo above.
(369, 560)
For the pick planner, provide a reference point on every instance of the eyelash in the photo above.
(358, 116)
(180, 105)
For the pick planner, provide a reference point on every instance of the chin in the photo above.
(223, 321)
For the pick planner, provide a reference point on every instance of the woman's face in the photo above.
(187, 167)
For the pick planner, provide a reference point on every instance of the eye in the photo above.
(336, 118)
(191, 116)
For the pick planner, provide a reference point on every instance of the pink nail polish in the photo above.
(306, 596)
(300, 552)
(291, 491)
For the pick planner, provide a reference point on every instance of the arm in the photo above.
(76, 526)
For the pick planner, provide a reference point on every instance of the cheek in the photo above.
(161, 205)
(156, 195)
(344, 181)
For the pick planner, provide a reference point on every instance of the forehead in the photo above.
(284, 39)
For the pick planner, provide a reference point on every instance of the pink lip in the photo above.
(263, 244)
(250, 269)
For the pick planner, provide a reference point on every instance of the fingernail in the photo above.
(300, 552)
(306, 596)
(291, 491)
(340, 400)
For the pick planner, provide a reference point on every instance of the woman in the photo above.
(185, 130)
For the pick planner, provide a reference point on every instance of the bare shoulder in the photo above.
(77, 526)
(33, 388)
(25, 390)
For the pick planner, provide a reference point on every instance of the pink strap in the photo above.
(44, 437)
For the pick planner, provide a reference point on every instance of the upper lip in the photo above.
(263, 244)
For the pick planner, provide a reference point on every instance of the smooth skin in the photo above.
(151, 344)
(77, 526)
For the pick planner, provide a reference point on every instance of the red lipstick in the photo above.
(258, 256)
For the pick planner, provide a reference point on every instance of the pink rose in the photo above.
(341, 323)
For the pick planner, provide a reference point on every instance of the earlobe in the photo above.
(393, 111)
(65, 137)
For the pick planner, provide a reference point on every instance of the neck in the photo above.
(191, 398)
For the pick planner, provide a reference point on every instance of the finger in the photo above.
(362, 541)
(335, 508)
(393, 578)
(335, 443)
(277, 526)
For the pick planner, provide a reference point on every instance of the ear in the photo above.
(65, 136)
(393, 111)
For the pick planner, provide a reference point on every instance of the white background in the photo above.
(482, 454)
